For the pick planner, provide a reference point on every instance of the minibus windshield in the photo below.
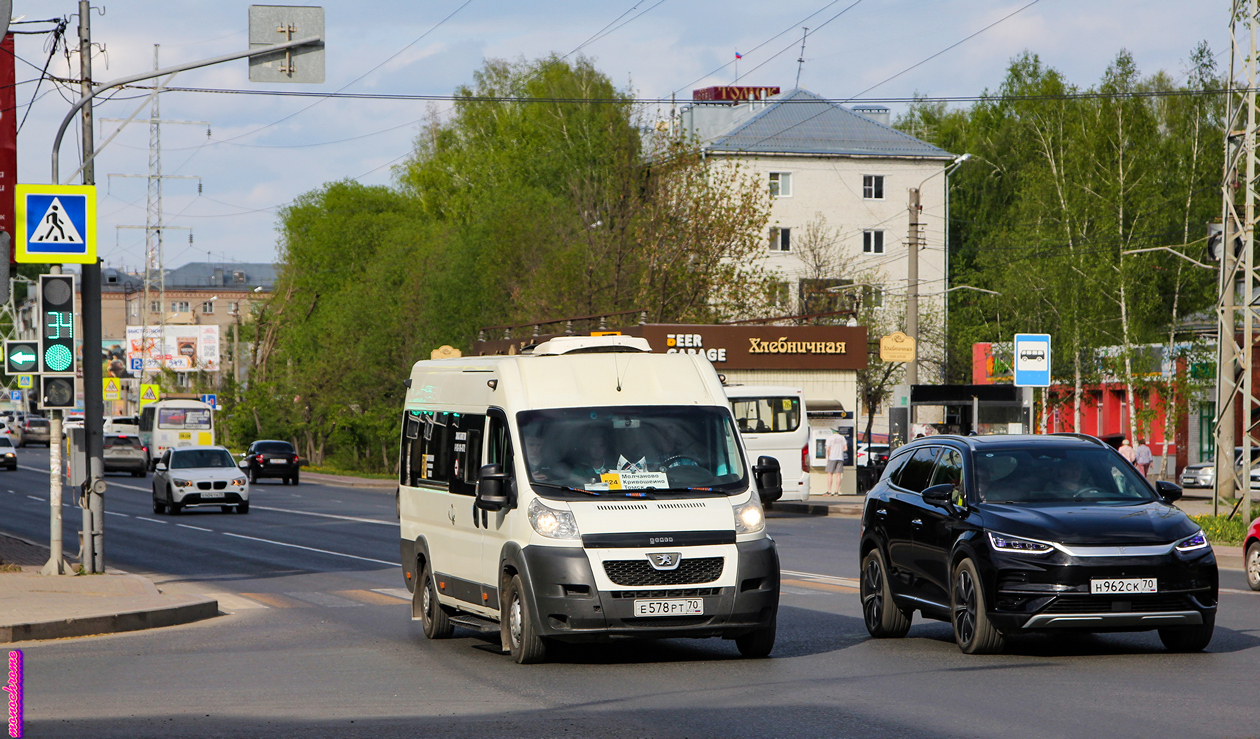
(627, 448)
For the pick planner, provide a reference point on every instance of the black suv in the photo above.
(1002, 535)
(271, 459)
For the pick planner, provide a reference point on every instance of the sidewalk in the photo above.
(821, 505)
(35, 606)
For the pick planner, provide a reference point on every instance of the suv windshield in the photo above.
(200, 458)
(633, 448)
(1039, 475)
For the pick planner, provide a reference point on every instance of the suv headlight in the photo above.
(239, 481)
(1191, 543)
(181, 483)
(749, 518)
(552, 523)
(1013, 545)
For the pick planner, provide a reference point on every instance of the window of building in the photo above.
(780, 184)
(780, 239)
(872, 242)
(207, 307)
(179, 306)
(155, 306)
(234, 308)
(133, 308)
(873, 187)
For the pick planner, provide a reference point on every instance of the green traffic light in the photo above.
(58, 358)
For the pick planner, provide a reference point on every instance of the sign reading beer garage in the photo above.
(762, 347)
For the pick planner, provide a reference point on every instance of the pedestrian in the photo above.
(837, 447)
(1142, 457)
(1126, 451)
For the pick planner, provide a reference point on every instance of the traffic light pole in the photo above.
(93, 493)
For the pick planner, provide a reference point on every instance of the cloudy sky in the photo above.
(263, 151)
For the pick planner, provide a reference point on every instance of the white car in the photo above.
(199, 476)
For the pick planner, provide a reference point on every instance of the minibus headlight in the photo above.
(552, 523)
(749, 518)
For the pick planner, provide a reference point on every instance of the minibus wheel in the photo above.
(526, 645)
(758, 644)
(424, 603)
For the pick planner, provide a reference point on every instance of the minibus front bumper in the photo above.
(570, 607)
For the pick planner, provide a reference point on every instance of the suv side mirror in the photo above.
(769, 478)
(1170, 492)
(492, 488)
(938, 495)
(160, 467)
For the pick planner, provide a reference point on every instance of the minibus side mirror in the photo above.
(492, 488)
(769, 478)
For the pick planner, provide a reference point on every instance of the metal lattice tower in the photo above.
(1239, 283)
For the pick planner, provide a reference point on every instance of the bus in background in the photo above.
(172, 423)
(771, 419)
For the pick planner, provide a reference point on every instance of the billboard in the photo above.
(992, 364)
(178, 348)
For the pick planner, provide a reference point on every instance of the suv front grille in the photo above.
(639, 572)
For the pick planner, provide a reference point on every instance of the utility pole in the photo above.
(1234, 371)
(93, 500)
(912, 288)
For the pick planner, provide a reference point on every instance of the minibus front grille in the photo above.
(677, 593)
(640, 573)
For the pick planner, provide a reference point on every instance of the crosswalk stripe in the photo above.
(401, 593)
(820, 586)
(369, 597)
(275, 600)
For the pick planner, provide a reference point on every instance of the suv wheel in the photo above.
(973, 631)
(882, 616)
(1189, 638)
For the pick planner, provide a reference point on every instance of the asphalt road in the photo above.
(317, 644)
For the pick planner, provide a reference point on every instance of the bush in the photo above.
(1222, 529)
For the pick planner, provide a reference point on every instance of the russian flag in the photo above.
(739, 55)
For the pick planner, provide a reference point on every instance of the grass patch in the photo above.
(1224, 530)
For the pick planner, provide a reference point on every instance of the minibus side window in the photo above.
(465, 452)
(410, 432)
(430, 459)
(499, 444)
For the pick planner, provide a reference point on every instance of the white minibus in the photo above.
(168, 424)
(772, 421)
(583, 490)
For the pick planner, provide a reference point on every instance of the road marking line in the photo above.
(310, 549)
(275, 600)
(1239, 592)
(154, 520)
(400, 593)
(32, 497)
(820, 586)
(844, 582)
(327, 515)
(116, 513)
(197, 528)
(231, 602)
(369, 597)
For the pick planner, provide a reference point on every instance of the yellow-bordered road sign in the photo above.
(56, 224)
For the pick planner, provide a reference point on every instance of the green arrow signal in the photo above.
(21, 357)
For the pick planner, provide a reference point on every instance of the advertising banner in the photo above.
(180, 348)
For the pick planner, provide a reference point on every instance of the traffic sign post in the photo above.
(15, 396)
(1032, 360)
(56, 224)
(211, 400)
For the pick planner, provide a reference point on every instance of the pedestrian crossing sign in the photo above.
(56, 224)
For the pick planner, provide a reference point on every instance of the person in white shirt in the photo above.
(837, 446)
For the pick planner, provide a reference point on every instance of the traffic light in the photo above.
(56, 310)
(21, 357)
(56, 391)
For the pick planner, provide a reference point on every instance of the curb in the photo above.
(351, 482)
(805, 508)
(113, 623)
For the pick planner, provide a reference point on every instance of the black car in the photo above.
(1005, 535)
(271, 459)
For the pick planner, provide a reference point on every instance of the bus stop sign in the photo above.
(1032, 360)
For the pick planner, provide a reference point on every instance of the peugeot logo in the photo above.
(665, 560)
